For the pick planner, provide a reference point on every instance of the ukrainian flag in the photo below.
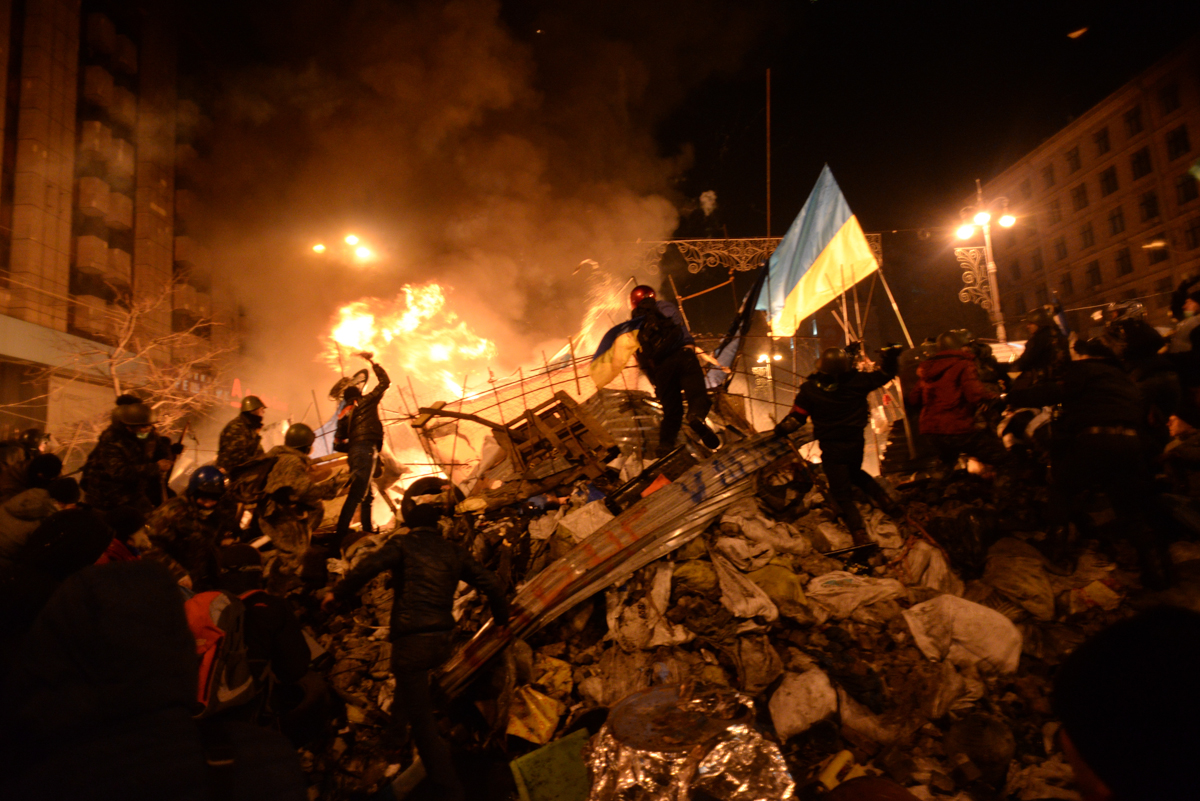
(822, 255)
(614, 350)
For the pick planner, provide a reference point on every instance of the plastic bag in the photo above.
(966, 633)
(1017, 570)
(837, 594)
(740, 595)
(802, 700)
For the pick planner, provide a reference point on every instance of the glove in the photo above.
(176, 448)
(790, 424)
(854, 348)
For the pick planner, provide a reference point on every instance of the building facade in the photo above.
(1106, 208)
(99, 203)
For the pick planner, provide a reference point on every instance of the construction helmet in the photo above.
(834, 361)
(252, 403)
(424, 502)
(951, 340)
(640, 293)
(300, 437)
(134, 414)
(207, 482)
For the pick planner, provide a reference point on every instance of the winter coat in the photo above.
(121, 471)
(66, 542)
(364, 424)
(99, 701)
(426, 569)
(839, 411)
(1045, 351)
(20, 516)
(186, 542)
(240, 441)
(293, 501)
(950, 390)
(661, 336)
(1093, 392)
(14, 479)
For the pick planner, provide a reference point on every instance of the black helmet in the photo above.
(252, 403)
(31, 439)
(1124, 310)
(640, 293)
(834, 361)
(207, 481)
(424, 502)
(133, 413)
(300, 437)
(951, 340)
(1041, 316)
(350, 394)
(42, 468)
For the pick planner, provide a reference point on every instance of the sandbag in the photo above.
(966, 633)
(740, 595)
(800, 701)
(837, 594)
(1017, 570)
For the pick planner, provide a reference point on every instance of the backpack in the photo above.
(246, 483)
(217, 620)
(659, 335)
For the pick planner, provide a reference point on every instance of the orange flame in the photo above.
(416, 332)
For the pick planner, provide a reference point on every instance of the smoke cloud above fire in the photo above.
(487, 149)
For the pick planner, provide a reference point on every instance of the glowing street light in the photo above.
(351, 240)
(362, 252)
(987, 296)
(318, 248)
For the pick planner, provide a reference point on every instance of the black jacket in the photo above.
(1093, 392)
(98, 703)
(363, 423)
(839, 411)
(426, 569)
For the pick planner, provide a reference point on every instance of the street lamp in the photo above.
(979, 265)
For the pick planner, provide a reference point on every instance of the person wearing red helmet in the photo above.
(667, 355)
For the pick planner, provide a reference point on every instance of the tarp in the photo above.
(823, 254)
(647, 530)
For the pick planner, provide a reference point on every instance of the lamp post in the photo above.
(979, 265)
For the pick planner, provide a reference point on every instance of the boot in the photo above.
(707, 435)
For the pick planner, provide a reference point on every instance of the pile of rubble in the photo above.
(930, 661)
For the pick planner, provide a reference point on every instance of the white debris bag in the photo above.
(966, 633)
(1017, 570)
(757, 528)
(883, 530)
(836, 595)
(745, 555)
(740, 595)
(926, 566)
(643, 624)
(801, 701)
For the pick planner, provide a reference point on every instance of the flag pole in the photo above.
(768, 152)
(887, 288)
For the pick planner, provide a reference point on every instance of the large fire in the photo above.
(415, 332)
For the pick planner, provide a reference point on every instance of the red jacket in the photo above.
(950, 390)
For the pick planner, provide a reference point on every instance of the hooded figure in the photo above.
(950, 393)
(99, 701)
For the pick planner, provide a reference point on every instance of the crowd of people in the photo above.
(147, 649)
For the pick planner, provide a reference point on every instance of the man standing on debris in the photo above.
(667, 355)
(1045, 350)
(950, 394)
(121, 471)
(835, 396)
(184, 532)
(360, 436)
(240, 438)
(291, 509)
(426, 570)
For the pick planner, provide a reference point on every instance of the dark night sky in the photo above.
(907, 101)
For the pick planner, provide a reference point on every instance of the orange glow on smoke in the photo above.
(415, 333)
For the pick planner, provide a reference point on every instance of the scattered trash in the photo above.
(554, 772)
(964, 633)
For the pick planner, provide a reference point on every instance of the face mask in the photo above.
(143, 435)
(1187, 314)
(204, 512)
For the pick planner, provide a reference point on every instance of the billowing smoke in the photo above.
(491, 155)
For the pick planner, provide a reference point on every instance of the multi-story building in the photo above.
(1106, 208)
(98, 202)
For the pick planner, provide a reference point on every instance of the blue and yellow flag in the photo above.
(822, 255)
(614, 350)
